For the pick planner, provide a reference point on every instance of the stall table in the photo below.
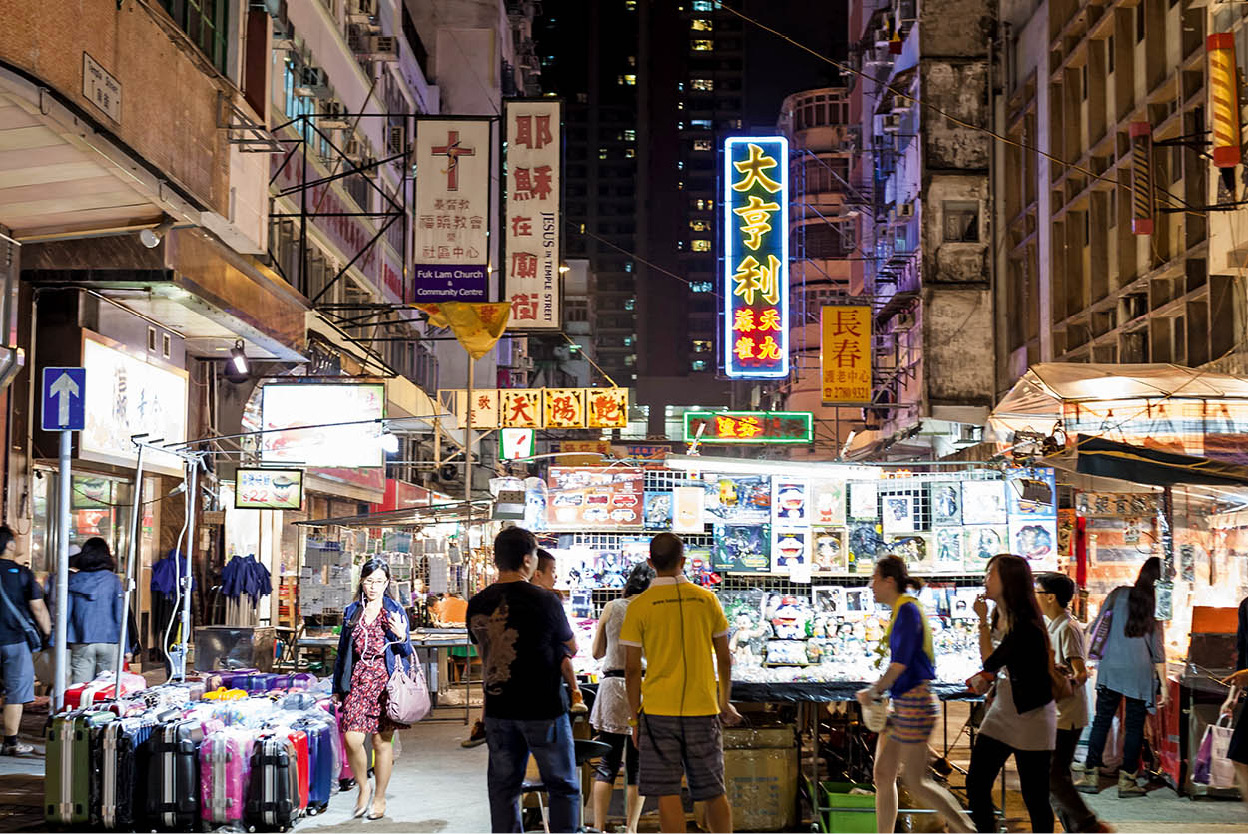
(433, 646)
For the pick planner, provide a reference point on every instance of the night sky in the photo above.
(775, 68)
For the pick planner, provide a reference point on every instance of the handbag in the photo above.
(1101, 626)
(1061, 684)
(407, 694)
(33, 638)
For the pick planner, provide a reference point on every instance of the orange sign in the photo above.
(845, 354)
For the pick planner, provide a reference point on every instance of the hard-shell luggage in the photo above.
(102, 688)
(225, 767)
(223, 694)
(260, 682)
(67, 775)
(322, 759)
(172, 789)
(276, 796)
(224, 678)
(115, 771)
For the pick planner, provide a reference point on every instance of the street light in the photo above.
(238, 359)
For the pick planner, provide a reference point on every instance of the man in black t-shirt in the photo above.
(23, 612)
(523, 634)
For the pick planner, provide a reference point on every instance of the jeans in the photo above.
(987, 759)
(88, 660)
(1066, 801)
(550, 742)
(1107, 701)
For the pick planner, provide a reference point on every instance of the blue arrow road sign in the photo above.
(64, 399)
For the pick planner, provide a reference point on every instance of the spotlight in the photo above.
(238, 359)
(151, 237)
(389, 442)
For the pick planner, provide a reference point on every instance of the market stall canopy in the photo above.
(1141, 465)
(475, 510)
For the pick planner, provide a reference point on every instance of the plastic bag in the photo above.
(1213, 766)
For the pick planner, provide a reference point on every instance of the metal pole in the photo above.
(132, 549)
(62, 575)
(468, 440)
(192, 485)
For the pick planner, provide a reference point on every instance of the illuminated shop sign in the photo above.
(749, 426)
(756, 271)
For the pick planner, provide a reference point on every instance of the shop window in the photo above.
(702, 45)
(700, 124)
(700, 245)
(961, 221)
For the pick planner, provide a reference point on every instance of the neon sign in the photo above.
(756, 257)
(749, 427)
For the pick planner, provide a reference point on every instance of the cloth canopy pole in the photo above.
(184, 643)
(132, 548)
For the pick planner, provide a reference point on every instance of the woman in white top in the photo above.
(611, 712)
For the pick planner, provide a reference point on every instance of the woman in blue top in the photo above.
(912, 665)
(94, 613)
(1132, 665)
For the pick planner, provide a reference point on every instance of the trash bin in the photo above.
(760, 774)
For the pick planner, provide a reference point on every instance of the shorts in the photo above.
(672, 746)
(914, 716)
(622, 751)
(17, 673)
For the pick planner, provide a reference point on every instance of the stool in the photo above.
(584, 750)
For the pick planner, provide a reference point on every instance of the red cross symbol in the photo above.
(452, 150)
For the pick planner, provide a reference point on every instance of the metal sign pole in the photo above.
(132, 561)
(192, 484)
(62, 575)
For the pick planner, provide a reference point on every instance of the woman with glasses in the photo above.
(374, 638)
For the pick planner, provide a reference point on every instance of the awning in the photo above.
(476, 510)
(1141, 465)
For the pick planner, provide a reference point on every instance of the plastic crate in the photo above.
(846, 813)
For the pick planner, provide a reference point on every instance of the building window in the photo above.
(705, 5)
(703, 84)
(961, 221)
(602, 153)
(628, 341)
(680, 244)
(207, 22)
(700, 286)
(700, 124)
(703, 205)
(701, 24)
(630, 5)
(700, 225)
(630, 153)
(700, 245)
(702, 145)
(628, 266)
(582, 98)
(630, 304)
(630, 135)
(703, 45)
(627, 80)
(702, 346)
(698, 365)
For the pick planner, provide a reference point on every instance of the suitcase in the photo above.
(224, 678)
(223, 694)
(261, 682)
(322, 760)
(172, 786)
(225, 765)
(277, 793)
(115, 771)
(102, 689)
(67, 780)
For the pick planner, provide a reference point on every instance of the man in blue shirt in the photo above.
(21, 608)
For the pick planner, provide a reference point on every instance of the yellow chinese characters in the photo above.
(756, 220)
(753, 280)
(754, 170)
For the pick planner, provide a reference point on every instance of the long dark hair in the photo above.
(1142, 600)
(367, 569)
(892, 567)
(638, 580)
(1018, 592)
(94, 556)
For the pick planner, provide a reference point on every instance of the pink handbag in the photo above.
(408, 694)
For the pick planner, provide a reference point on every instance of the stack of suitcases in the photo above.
(241, 749)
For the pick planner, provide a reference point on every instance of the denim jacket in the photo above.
(95, 600)
(345, 661)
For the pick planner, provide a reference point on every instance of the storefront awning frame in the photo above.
(459, 511)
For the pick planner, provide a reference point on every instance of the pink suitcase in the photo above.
(225, 771)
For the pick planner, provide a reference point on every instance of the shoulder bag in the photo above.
(407, 693)
(33, 638)
(1098, 633)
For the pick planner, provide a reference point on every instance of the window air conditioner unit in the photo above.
(395, 140)
(890, 123)
(353, 148)
(384, 47)
(368, 166)
(333, 116)
(903, 321)
(906, 209)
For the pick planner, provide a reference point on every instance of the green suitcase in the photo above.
(67, 783)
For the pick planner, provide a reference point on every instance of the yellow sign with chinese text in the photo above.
(845, 354)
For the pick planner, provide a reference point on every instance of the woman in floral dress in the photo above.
(374, 639)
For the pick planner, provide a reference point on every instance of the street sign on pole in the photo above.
(64, 395)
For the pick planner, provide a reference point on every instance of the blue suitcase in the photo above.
(115, 771)
(322, 758)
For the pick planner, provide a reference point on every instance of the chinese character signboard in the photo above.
(756, 255)
(845, 354)
(268, 489)
(521, 408)
(532, 213)
(451, 216)
(749, 426)
(540, 408)
(484, 406)
(565, 408)
(607, 407)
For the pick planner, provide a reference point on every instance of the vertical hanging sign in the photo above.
(1143, 206)
(756, 255)
(1224, 108)
(532, 212)
(845, 354)
(451, 215)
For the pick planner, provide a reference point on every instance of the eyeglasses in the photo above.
(376, 582)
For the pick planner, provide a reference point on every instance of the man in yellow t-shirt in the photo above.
(678, 709)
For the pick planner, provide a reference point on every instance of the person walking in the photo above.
(95, 612)
(912, 666)
(545, 577)
(611, 714)
(24, 627)
(1132, 667)
(524, 637)
(1238, 682)
(1021, 720)
(677, 710)
(374, 640)
(1054, 592)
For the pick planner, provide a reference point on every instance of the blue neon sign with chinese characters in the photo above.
(756, 257)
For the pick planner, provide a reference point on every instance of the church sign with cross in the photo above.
(452, 210)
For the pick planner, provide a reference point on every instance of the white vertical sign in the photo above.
(452, 212)
(533, 216)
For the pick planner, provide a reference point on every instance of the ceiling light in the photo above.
(238, 359)
(151, 237)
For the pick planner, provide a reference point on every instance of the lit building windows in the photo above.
(698, 365)
(630, 153)
(703, 84)
(680, 244)
(627, 80)
(602, 153)
(702, 145)
(700, 225)
(702, 346)
(630, 304)
(700, 245)
(703, 205)
(700, 286)
(630, 5)
(701, 24)
(705, 5)
(628, 341)
(628, 266)
(630, 135)
(701, 124)
(703, 45)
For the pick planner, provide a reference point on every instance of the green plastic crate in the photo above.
(846, 813)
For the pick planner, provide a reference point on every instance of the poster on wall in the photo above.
(899, 513)
(789, 502)
(864, 501)
(268, 489)
(742, 548)
(687, 509)
(594, 496)
(945, 498)
(980, 543)
(1033, 494)
(916, 550)
(865, 544)
(658, 510)
(1035, 539)
(983, 502)
(830, 553)
(947, 549)
(790, 550)
(741, 500)
(827, 502)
